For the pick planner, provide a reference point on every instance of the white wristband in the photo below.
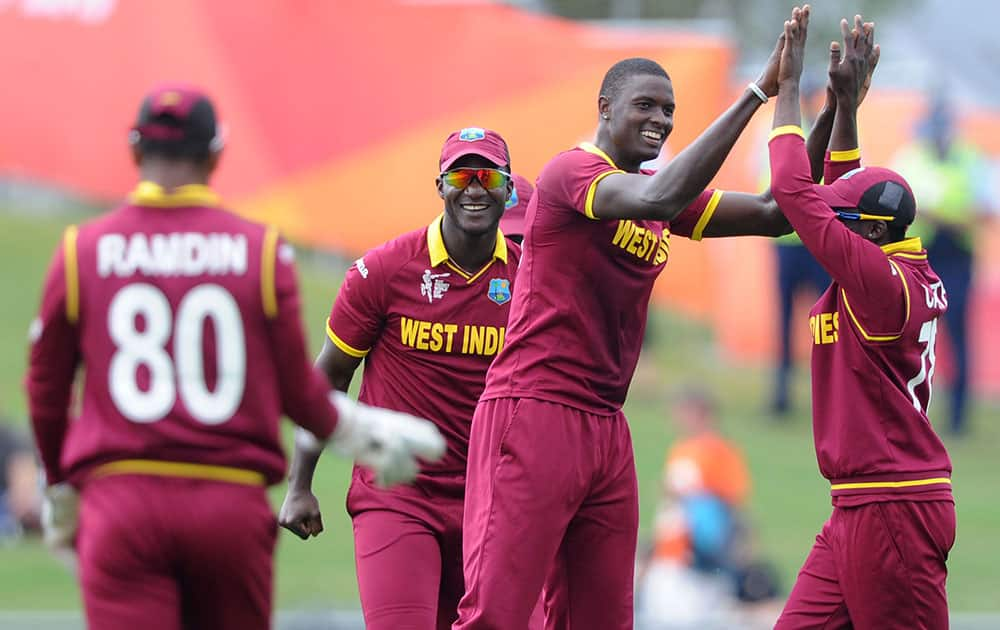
(753, 87)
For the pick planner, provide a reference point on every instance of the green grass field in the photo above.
(790, 500)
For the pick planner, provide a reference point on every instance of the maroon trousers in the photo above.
(165, 553)
(551, 494)
(876, 566)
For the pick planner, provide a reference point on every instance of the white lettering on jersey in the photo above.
(360, 264)
(936, 296)
(173, 254)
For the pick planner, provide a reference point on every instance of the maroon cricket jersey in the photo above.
(427, 329)
(873, 333)
(579, 309)
(185, 319)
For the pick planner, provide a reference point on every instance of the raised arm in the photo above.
(666, 194)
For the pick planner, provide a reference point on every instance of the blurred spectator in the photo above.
(950, 180)
(700, 567)
(20, 496)
(512, 221)
(798, 271)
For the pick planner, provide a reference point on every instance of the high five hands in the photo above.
(852, 62)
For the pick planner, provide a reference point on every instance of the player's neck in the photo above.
(468, 251)
(622, 161)
(171, 175)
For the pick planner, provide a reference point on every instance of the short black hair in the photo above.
(896, 232)
(625, 69)
(187, 149)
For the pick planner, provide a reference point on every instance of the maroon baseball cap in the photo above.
(474, 141)
(871, 192)
(176, 113)
(512, 221)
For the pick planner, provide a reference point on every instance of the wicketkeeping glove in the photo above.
(388, 442)
(59, 515)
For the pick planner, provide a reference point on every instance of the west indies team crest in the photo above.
(499, 290)
(472, 134)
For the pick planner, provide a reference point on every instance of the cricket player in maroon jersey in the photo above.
(551, 475)
(879, 561)
(185, 319)
(427, 312)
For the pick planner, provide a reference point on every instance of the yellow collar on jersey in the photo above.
(152, 195)
(590, 147)
(439, 253)
(910, 245)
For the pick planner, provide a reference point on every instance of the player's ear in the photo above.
(212, 161)
(603, 106)
(877, 230)
(440, 186)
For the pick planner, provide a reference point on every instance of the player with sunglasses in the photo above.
(880, 559)
(427, 312)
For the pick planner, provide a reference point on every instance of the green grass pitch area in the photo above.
(789, 504)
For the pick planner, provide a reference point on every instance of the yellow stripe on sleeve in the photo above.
(72, 273)
(706, 216)
(785, 130)
(845, 156)
(268, 260)
(345, 347)
(589, 207)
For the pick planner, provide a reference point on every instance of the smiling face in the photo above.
(639, 118)
(474, 209)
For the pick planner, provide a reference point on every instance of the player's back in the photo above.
(173, 329)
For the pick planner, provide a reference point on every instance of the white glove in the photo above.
(59, 515)
(388, 442)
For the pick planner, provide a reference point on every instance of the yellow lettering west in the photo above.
(423, 335)
(436, 339)
(637, 237)
(624, 231)
(836, 326)
(450, 330)
(503, 335)
(408, 330)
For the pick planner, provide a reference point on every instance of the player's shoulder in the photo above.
(574, 158)
(129, 218)
(396, 253)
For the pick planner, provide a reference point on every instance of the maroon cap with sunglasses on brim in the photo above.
(474, 141)
(512, 220)
(176, 113)
(871, 192)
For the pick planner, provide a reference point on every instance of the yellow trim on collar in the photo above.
(845, 156)
(912, 245)
(152, 195)
(590, 147)
(439, 253)
(706, 216)
(786, 130)
(71, 271)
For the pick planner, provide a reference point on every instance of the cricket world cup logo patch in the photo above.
(499, 290)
